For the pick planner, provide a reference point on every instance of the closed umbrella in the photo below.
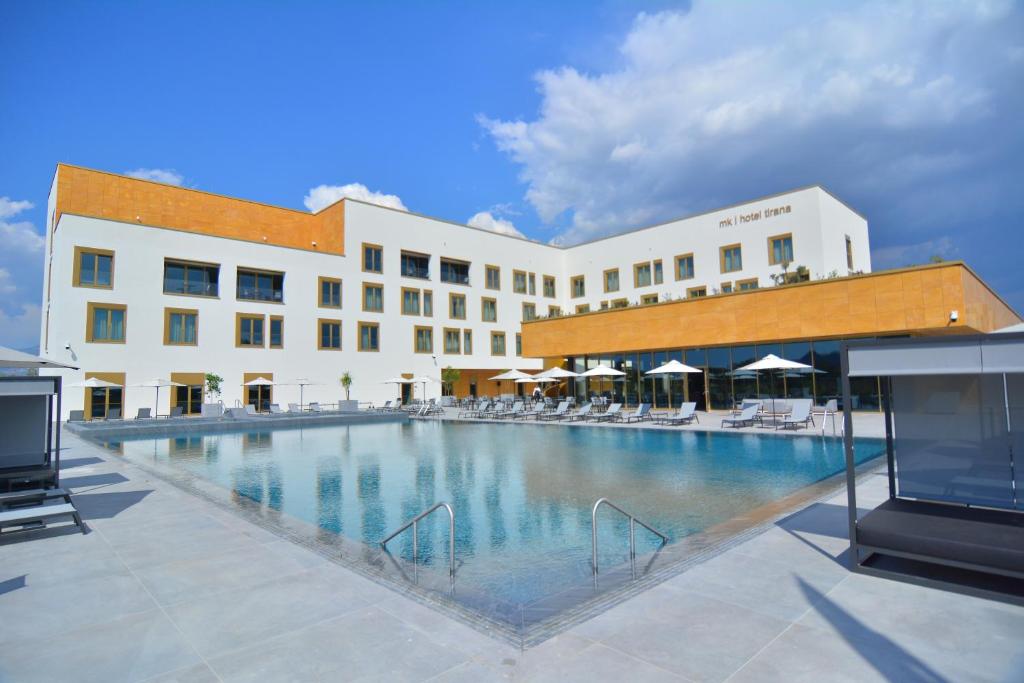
(302, 383)
(773, 362)
(259, 382)
(602, 371)
(158, 384)
(672, 367)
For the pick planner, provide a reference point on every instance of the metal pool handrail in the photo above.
(415, 547)
(632, 533)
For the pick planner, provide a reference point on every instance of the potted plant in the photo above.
(449, 376)
(347, 405)
(213, 407)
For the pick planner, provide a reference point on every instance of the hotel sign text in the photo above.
(753, 216)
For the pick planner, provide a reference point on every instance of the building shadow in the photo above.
(71, 463)
(92, 480)
(107, 505)
(885, 656)
(12, 584)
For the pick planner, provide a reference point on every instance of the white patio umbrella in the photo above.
(259, 382)
(302, 383)
(94, 383)
(9, 358)
(673, 367)
(510, 375)
(158, 384)
(423, 379)
(398, 381)
(773, 362)
(602, 371)
(557, 373)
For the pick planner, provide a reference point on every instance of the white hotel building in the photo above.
(144, 280)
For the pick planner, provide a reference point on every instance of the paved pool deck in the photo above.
(170, 587)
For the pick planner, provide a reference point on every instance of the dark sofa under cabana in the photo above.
(954, 424)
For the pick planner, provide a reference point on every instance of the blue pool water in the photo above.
(522, 494)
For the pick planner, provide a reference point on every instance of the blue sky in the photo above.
(563, 121)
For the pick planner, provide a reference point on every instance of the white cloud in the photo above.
(485, 220)
(323, 196)
(20, 329)
(20, 236)
(6, 282)
(168, 176)
(730, 100)
(9, 207)
(901, 255)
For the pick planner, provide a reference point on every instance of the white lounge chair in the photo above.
(250, 410)
(687, 413)
(642, 412)
(516, 409)
(537, 410)
(314, 407)
(746, 418)
(558, 413)
(276, 409)
(582, 414)
(384, 408)
(799, 416)
(609, 415)
(294, 408)
(144, 414)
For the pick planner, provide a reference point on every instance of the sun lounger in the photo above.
(113, 414)
(582, 414)
(76, 416)
(177, 411)
(687, 413)
(33, 495)
(144, 414)
(800, 416)
(294, 408)
(537, 410)
(40, 513)
(250, 410)
(480, 407)
(747, 402)
(607, 416)
(237, 413)
(642, 412)
(516, 409)
(314, 407)
(384, 408)
(559, 412)
(276, 409)
(746, 418)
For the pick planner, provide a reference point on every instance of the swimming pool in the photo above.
(522, 494)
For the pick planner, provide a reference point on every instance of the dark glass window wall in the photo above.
(721, 386)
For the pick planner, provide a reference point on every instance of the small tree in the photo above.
(449, 376)
(213, 385)
(346, 383)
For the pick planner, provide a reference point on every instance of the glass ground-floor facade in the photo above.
(721, 385)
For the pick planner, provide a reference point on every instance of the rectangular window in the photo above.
(620, 303)
(533, 284)
(467, 342)
(259, 285)
(488, 310)
(497, 343)
(415, 265)
(554, 311)
(731, 258)
(373, 297)
(93, 268)
(642, 274)
(579, 286)
(745, 285)
(583, 308)
(410, 301)
(493, 277)
(451, 340)
(276, 332)
(726, 288)
(694, 292)
(457, 306)
(649, 299)
(529, 311)
(780, 249)
(105, 323)
(456, 272)
(519, 344)
(423, 339)
(604, 305)
(329, 335)
(684, 267)
(330, 292)
(519, 281)
(549, 286)
(248, 330)
(193, 279)
(369, 337)
(611, 280)
(849, 253)
(428, 303)
(373, 258)
(659, 273)
(180, 327)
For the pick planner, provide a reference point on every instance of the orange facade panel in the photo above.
(97, 194)
(910, 301)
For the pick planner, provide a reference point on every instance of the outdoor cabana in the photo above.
(954, 425)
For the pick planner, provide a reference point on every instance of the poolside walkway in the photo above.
(169, 587)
